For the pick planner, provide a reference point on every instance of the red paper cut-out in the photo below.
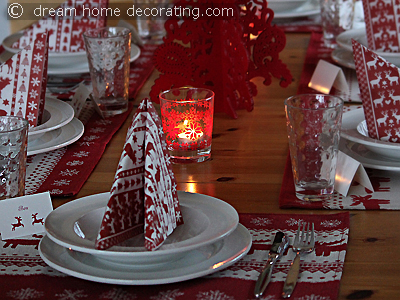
(222, 54)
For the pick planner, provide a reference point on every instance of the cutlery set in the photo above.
(304, 243)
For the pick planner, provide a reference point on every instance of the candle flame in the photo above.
(191, 131)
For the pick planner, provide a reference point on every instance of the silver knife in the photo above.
(279, 246)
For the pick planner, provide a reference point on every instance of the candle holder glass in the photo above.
(187, 117)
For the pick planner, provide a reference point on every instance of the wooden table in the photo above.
(246, 170)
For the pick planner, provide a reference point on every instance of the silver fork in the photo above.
(304, 243)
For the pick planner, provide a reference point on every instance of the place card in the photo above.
(24, 215)
(326, 76)
(348, 170)
(82, 93)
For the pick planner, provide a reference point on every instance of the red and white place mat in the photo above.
(24, 275)
(64, 171)
(385, 196)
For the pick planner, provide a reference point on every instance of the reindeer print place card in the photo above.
(24, 215)
(380, 93)
(381, 19)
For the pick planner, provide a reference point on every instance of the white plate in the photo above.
(309, 9)
(57, 113)
(75, 225)
(67, 69)
(360, 35)
(351, 120)
(196, 263)
(284, 5)
(55, 58)
(57, 138)
(343, 57)
(367, 158)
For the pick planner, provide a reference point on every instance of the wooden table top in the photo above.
(246, 170)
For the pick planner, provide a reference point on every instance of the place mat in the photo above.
(24, 274)
(386, 186)
(62, 172)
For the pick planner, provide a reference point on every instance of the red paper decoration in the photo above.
(222, 54)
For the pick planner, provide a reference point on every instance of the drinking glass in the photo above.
(13, 149)
(108, 51)
(313, 125)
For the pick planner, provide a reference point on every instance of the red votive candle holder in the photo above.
(187, 118)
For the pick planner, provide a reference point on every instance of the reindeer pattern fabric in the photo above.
(66, 26)
(380, 93)
(382, 19)
(143, 196)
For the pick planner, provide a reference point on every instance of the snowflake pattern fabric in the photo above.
(143, 196)
(23, 80)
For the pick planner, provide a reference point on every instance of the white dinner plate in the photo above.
(285, 5)
(368, 158)
(360, 35)
(57, 138)
(309, 9)
(76, 224)
(57, 113)
(196, 263)
(55, 58)
(343, 57)
(68, 69)
(349, 131)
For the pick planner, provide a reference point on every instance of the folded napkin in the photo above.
(381, 25)
(143, 195)
(23, 80)
(380, 93)
(66, 25)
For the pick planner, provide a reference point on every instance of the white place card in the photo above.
(347, 170)
(81, 95)
(326, 76)
(24, 215)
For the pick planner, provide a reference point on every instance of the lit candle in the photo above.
(190, 131)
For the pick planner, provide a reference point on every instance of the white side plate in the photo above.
(57, 138)
(75, 225)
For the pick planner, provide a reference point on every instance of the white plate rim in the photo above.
(308, 9)
(380, 163)
(350, 121)
(52, 105)
(360, 35)
(235, 246)
(84, 68)
(70, 133)
(9, 40)
(339, 54)
(66, 215)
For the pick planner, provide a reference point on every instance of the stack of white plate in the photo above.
(210, 240)
(343, 55)
(58, 129)
(60, 63)
(371, 153)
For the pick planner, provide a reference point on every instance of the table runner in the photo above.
(62, 172)
(25, 276)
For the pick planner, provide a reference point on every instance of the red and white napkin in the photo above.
(23, 80)
(381, 25)
(143, 195)
(380, 93)
(66, 25)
